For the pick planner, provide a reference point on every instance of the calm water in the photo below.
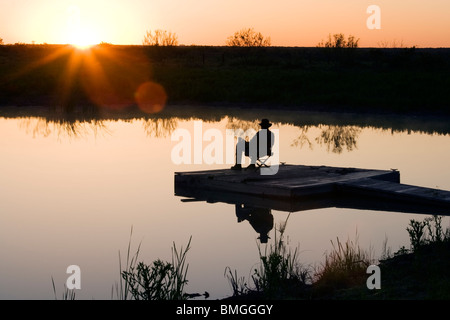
(69, 194)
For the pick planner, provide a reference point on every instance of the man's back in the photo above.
(264, 140)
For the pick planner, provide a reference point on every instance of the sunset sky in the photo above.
(210, 22)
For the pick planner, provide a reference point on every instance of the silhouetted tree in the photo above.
(160, 38)
(248, 38)
(1, 41)
(338, 41)
(393, 44)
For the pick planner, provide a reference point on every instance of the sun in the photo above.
(80, 33)
(83, 38)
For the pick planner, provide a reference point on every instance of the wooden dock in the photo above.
(301, 187)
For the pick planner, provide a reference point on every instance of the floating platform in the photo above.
(302, 187)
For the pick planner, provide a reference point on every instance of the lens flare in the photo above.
(151, 97)
(105, 76)
(111, 76)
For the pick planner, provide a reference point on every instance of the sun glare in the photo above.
(79, 33)
(82, 39)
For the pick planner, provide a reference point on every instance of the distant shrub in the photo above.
(160, 38)
(248, 38)
(338, 41)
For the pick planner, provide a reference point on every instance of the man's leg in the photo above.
(252, 152)
(241, 148)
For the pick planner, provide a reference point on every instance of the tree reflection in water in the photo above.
(242, 128)
(63, 127)
(302, 139)
(236, 124)
(335, 138)
(82, 127)
(160, 128)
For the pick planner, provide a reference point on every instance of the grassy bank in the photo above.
(417, 273)
(403, 80)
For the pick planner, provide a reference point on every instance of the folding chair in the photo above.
(261, 161)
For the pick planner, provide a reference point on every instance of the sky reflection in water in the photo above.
(71, 191)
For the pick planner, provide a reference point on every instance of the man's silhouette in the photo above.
(261, 219)
(258, 146)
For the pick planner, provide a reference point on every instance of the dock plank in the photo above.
(290, 180)
(297, 182)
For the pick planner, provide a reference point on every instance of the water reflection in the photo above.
(336, 132)
(63, 127)
(335, 138)
(302, 138)
(113, 182)
(160, 127)
(257, 210)
(306, 203)
(234, 123)
(260, 218)
(73, 127)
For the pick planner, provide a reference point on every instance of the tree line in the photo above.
(247, 37)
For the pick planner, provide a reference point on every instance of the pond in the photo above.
(72, 192)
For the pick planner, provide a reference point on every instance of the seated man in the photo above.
(258, 146)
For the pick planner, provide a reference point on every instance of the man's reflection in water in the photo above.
(261, 219)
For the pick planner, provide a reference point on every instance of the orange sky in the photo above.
(210, 22)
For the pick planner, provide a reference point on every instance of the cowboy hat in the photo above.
(265, 123)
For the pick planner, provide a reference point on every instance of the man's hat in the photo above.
(265, 123)
(263, 238)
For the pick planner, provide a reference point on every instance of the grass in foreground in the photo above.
(344, 267)
(67, 294)
(418, 273)
(280, 275)
(160, 280)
